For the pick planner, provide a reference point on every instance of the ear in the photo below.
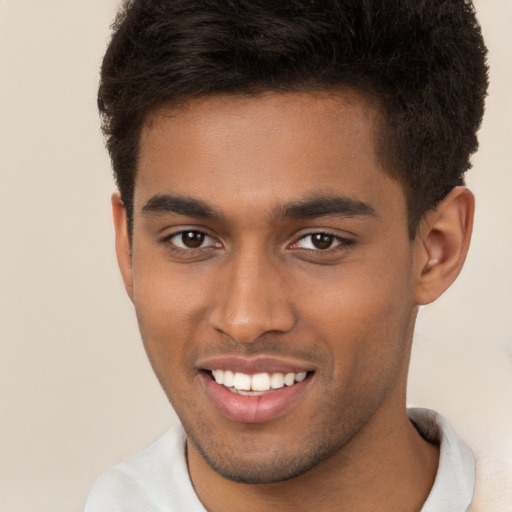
(123, 245)
(442, 243)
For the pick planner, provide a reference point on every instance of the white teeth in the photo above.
(254, 385)
(242, 381)
(228, 379)
(260, 382)
(289, 379)
(277, 380)
(246, 393)
(218, 376)
(300, 376)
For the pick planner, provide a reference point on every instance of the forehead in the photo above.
(264, 150)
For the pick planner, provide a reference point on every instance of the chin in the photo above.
(267, 468)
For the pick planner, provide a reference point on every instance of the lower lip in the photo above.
(253, 409)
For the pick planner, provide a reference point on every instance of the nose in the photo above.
(252, 299)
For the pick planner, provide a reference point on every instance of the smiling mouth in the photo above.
(257, 384)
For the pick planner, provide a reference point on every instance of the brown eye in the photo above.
(190, 243)
(322, 240)
(192, 239)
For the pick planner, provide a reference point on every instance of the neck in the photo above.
(388, 454)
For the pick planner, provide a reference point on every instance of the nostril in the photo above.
(247, 310)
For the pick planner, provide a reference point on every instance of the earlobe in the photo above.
(442, 244)
(123, 243)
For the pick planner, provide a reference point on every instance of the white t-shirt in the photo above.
(156, 479)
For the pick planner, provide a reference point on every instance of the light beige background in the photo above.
(76, 392)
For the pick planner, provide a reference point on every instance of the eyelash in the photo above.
(341, 243)
(173, 247)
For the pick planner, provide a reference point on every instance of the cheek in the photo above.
(169, 312)
(363, 318)
(166, 295)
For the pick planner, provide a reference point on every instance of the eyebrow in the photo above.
(323, 206)
(162, 204)
(316, 206)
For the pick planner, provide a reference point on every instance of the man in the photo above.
(290, 192)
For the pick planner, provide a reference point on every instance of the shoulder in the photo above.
(455, 480)
(154, 480)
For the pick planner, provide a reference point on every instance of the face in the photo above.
(271, 273)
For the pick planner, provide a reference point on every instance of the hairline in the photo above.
(371, 97)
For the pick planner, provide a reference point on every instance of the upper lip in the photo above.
(260, 364)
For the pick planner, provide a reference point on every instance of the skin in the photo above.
(257, 286)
